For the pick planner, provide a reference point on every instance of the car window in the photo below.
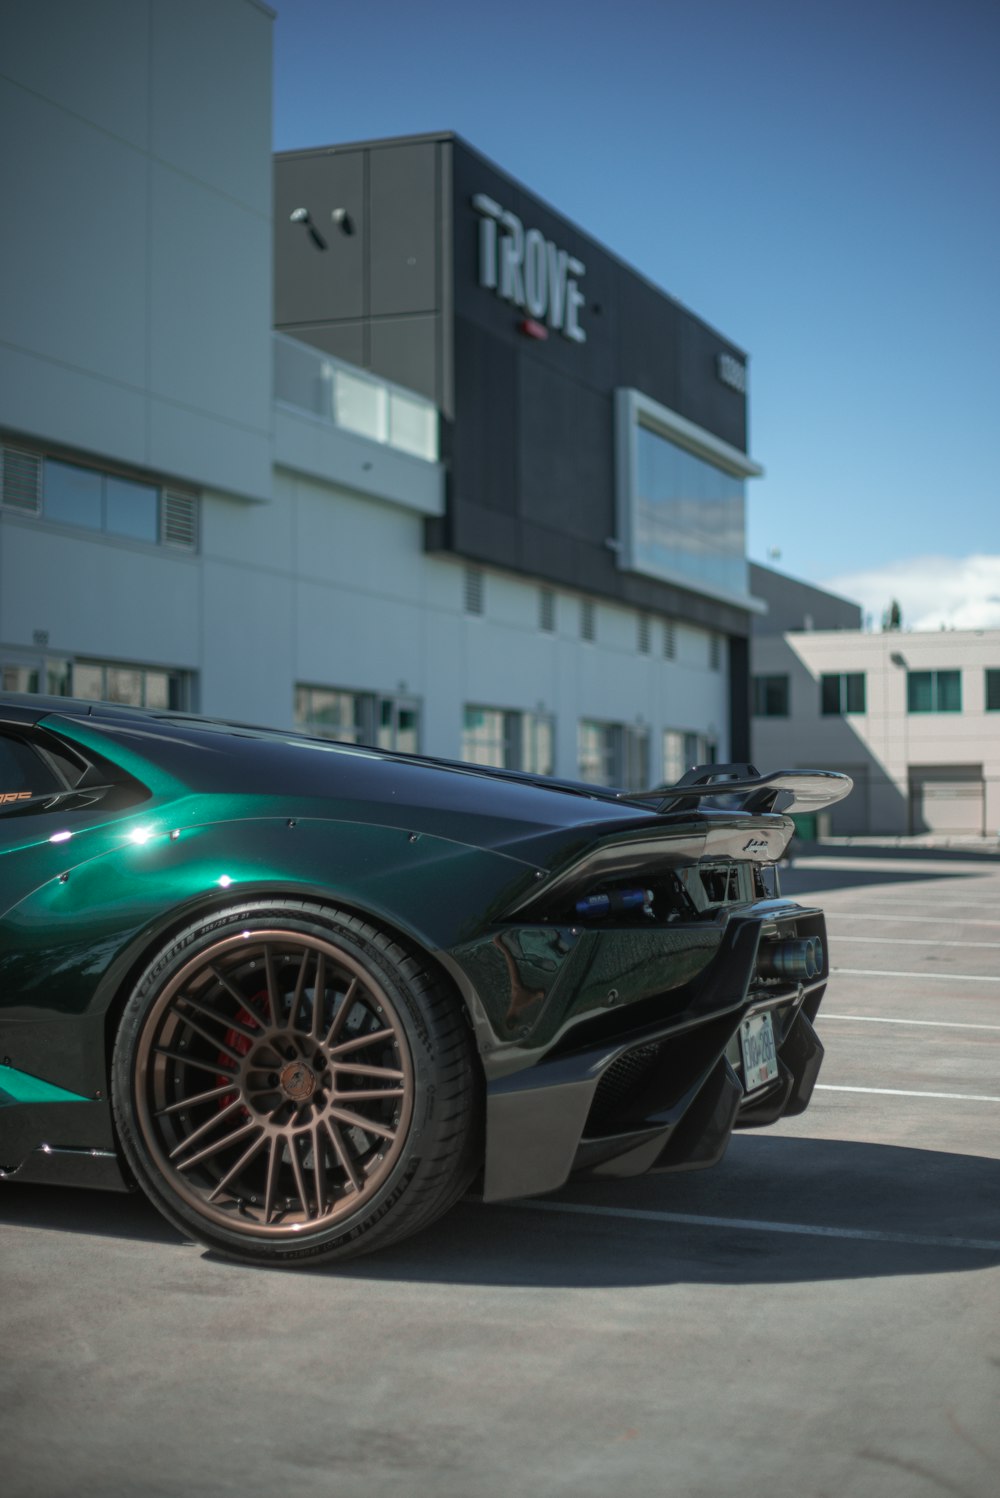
(23, 774)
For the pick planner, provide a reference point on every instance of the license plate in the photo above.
(760, 1060)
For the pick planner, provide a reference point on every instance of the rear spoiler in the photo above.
(742, 787)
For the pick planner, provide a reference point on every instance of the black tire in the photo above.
(291, 1085)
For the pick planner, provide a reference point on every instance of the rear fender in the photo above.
(75, 943)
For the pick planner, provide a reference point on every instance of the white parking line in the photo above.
(876, 972)
(912, 941)
(914, 900)
(933, 1024)
(802, 1229)
(918, 920)
(952, 1097)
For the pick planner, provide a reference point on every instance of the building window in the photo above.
(636, 776)
(934, 691)
(382, 722)
(600, 752)
(547, 610)
(588, 620)
(91, 499)
(474, 590)
(132, 686)
(770, 696)
(508, 740)
(993, 689)
(101, 681)
(397, 724)
(50, 675)
(670, 640)
(690, 516)
(538, 743)
(643, 634)
(613, 754)
(842, 693)
(680, 499)
(682, 750)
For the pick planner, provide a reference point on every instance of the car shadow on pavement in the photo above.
(794, 1210)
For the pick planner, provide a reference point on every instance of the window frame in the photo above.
(991, 687)
(174, 530)
(368, 711)
(843, 691)
(934, 680)
(624, 752)
(635, 414)
(517, 741)
(759, 694)
(59, 673)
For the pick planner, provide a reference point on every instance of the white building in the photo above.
(913, 717)
(196, 511)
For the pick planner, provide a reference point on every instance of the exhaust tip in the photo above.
(791, 959)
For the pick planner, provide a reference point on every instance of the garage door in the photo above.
(946, 798)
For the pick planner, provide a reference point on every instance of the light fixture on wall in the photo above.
(343, 220)
(302, 216)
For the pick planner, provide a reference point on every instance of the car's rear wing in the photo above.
(742, 787)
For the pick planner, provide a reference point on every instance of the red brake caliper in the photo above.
(239, 1043)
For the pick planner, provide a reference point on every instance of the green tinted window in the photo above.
(919, 692)
(829, 695)
(843, 693)
(854, 692)
(934, 692)
(770, 696)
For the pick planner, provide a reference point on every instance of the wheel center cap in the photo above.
(298, 1082)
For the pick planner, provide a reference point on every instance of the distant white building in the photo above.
(913, 717)
(197, 511)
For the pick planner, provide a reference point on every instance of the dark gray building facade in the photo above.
(594, 430)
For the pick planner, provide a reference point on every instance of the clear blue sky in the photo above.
(819, 179)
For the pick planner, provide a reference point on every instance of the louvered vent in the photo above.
(643, 633)
(547, 610)
(669, 641)
(179, 520)
(474, 590)
(588, 627)
(21, 480)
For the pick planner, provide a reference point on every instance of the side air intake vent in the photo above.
(21, 480)
(179, 520)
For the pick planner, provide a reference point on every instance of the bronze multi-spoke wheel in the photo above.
(290, 1083)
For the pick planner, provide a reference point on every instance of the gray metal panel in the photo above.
(314, 285)
(446, 284)
(485, 437)
(345, 340)
(566, 463)
(404, 349)
(403, 197)
(721, 409)
(793, 605)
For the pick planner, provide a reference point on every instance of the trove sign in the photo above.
(528, 270)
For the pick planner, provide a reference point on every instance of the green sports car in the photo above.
(305, 995)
